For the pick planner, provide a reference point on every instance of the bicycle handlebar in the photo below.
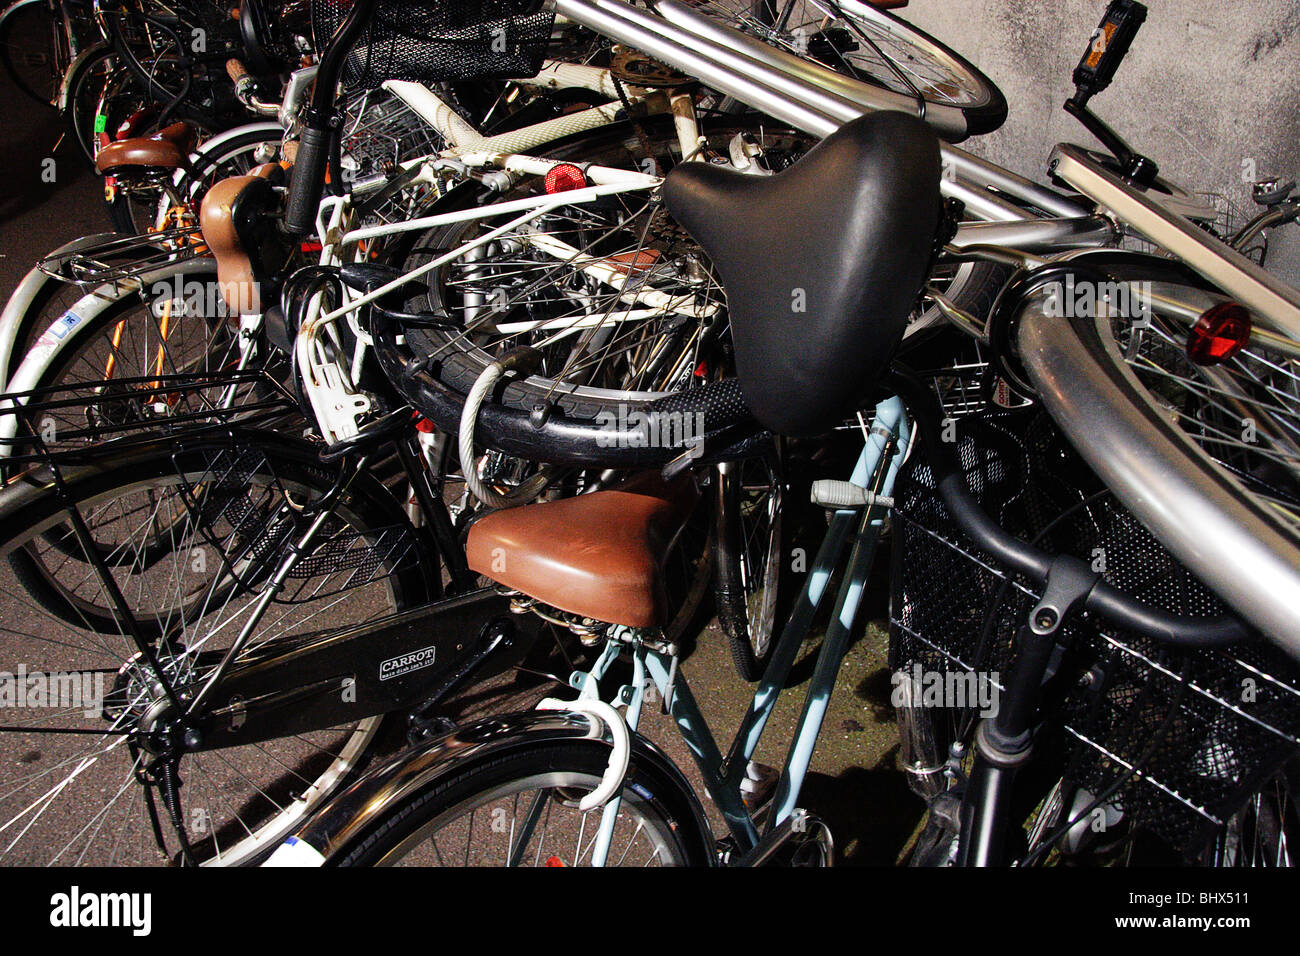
(321, 122)
(1104, 600)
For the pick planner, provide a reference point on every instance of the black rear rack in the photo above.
(119, 414)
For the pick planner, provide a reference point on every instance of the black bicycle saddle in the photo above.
(822, 263)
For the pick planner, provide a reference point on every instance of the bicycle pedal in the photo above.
(759, 783)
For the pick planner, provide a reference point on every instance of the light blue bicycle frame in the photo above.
(884, 450)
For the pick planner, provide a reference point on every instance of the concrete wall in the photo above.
(1210, 89)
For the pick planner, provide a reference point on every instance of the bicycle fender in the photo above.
(31, 286)
(353, 811)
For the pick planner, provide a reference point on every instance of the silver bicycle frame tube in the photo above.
(777, 93)
(726, 60)
(1038, 235)
(950, 123)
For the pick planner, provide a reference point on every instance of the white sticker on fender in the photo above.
(295, 852)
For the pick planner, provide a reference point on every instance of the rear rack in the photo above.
(93, 267)
(67, 424)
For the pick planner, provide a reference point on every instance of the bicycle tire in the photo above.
(459, 367)
(18, 21)
(84, 90)
(43, 300)
(983, 109)
(751, 587)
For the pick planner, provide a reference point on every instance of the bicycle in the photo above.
(524, 771)
(39, 40)
(974, 818)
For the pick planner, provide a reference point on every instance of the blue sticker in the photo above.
(65, 324)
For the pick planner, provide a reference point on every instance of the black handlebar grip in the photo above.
(308, 181)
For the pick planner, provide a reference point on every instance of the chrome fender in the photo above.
(385, 786)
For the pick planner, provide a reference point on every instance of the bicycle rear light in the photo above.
(1220, 333)
(564, 177)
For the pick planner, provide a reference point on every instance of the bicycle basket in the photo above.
(1203, 728)
(433, 41)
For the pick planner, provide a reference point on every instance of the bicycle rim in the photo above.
(867, 44)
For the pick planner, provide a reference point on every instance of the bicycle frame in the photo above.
(887, 442)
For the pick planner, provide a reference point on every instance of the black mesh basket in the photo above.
(1203, 728)
(432, 41)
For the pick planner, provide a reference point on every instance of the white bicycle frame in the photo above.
(329, 372)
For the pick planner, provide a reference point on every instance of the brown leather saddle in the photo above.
(599, 555)
(164, 151)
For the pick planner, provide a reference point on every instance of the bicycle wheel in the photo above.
(621, 302)
(100, 95)
(27, 51)
(172, 325)
(1264, 833)
(749, 560)
(37, 302)
(192, 531)
(875, 46)
(521, 809)
(1203, 448)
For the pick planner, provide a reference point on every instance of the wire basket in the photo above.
(1203, 728)
(379, 133)
(434, 41)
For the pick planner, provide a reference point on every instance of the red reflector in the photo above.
(564, 177)
(310, 245)
(1220, 333)
(554, 861)
(424, 426)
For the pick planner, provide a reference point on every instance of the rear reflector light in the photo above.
(564, 177)
(1220, 333)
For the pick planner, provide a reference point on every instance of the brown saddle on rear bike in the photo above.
(599, 555)
(163, 151)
